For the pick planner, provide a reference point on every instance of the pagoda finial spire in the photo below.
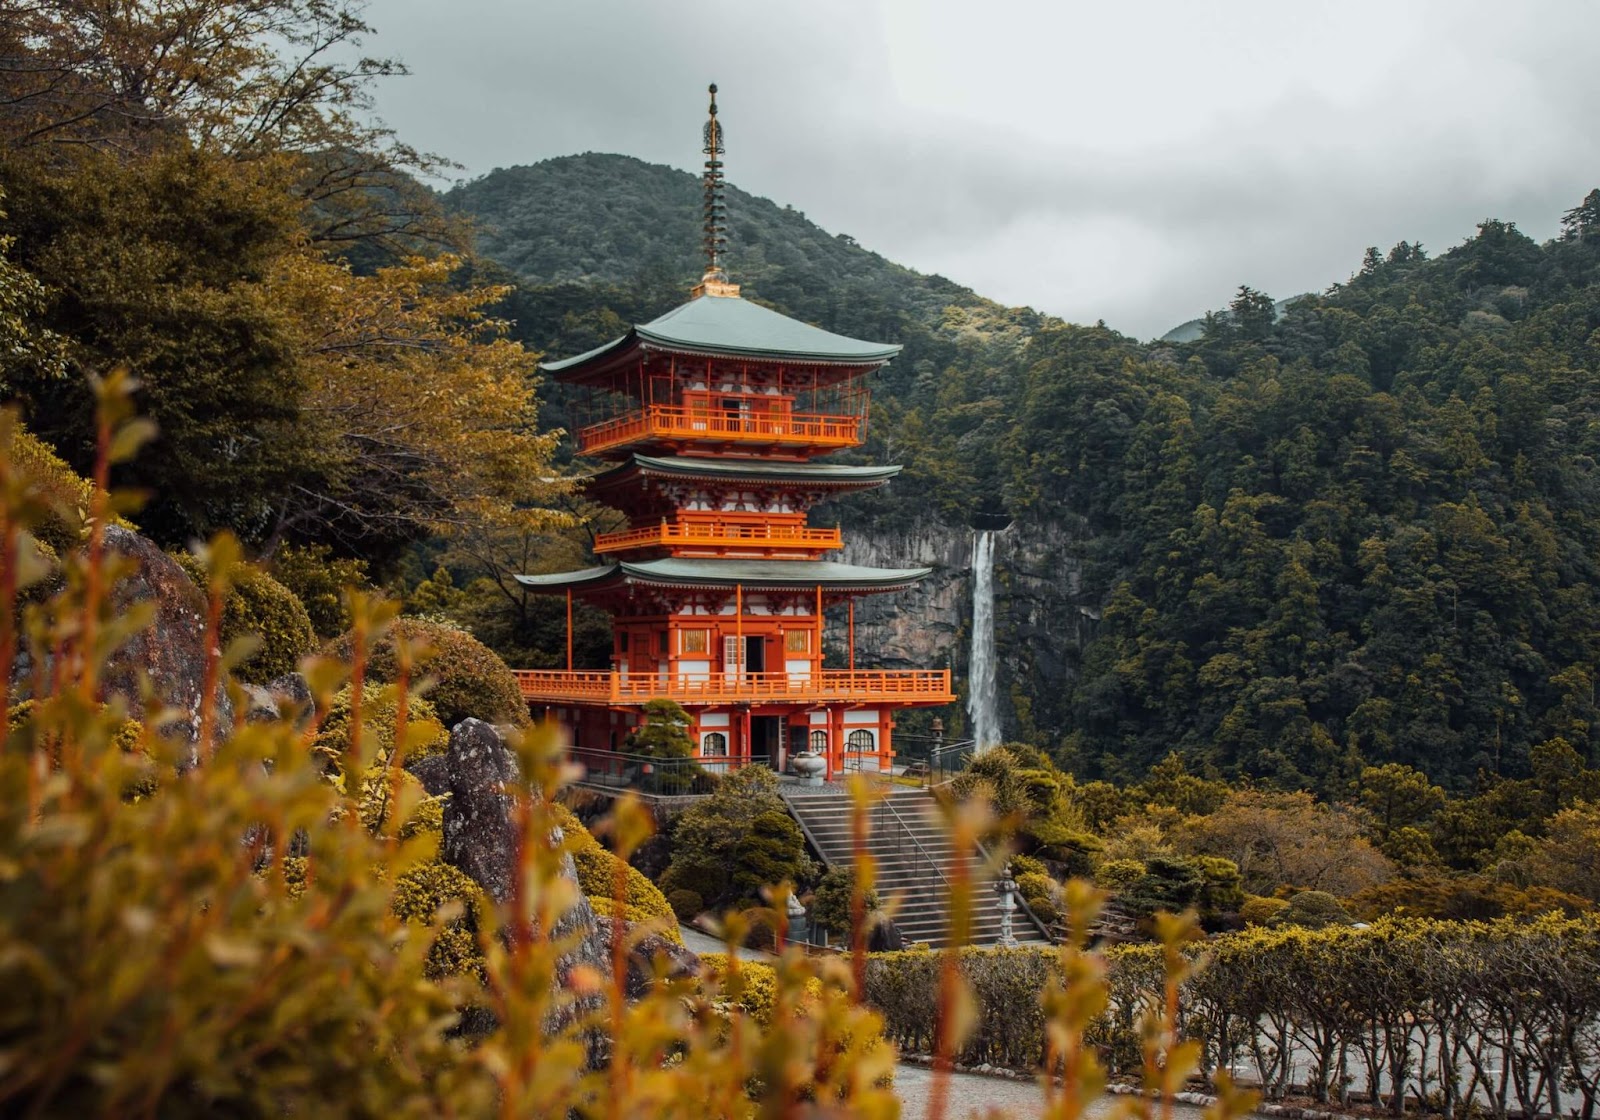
(715, 281)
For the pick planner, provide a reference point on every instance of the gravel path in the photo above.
(975, 1094)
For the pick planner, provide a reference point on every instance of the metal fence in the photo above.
(652, 776)
(932, 760)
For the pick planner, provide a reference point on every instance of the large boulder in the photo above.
(480, 838)
(479, 772)
(170, 652)
(646, 955)
(286, 697)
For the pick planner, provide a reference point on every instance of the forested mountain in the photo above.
(1363, 526)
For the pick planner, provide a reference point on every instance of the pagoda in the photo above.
(712, 418)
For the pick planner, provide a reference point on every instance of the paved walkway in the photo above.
(975, 1094)
(697, 942)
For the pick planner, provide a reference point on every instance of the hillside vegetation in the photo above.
(1361, 527)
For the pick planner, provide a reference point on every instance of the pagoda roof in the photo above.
(717, 326)
(688, 572)
(724, 468)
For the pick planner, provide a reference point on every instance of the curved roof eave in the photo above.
(777, 575)
(809, 474)
(724, 325)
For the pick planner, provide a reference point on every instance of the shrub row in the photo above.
(1498, 1017)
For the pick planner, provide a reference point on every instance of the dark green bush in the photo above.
(740, 839)
(258, 604)
(319, 580)
(1313, 910)
(687, 905)
(830, 905)
(994, 775)
(468, 679)
(773, 852)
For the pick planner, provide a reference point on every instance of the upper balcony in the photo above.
(719, 536)
(899, 687)
(678, 427)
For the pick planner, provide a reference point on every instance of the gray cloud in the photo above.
(1132, 162)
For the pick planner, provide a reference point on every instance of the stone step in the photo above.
(915, 862)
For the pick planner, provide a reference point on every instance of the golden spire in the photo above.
(715, 281)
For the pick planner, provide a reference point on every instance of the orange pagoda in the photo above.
(713, 418)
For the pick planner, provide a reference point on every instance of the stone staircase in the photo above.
(914, 857)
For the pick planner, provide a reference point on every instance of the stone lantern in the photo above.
(1006, 888)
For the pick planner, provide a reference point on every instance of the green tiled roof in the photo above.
(730, 325)
(685, 466)
(759, 574)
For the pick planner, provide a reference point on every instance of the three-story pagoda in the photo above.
(714, 416)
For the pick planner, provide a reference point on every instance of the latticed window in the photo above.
(819, 742)
(714, 743)
(860, 741)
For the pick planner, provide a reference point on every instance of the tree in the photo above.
(23, 343)
(1252, 313)
(1582, 222)
(1287, 840)
(249, 81)
(419, 413)
(664, 731)
(1568, 858)
(1397, 797)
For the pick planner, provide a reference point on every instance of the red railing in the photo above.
(676, 424)
(720, 535)
(914, 686)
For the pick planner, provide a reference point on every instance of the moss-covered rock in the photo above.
(468, 678)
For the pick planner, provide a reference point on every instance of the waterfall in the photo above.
(981, 708)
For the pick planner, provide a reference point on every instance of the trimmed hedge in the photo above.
(319, 581)
(418, 895)
(597, 869)
(68, 496)
(378, 711)
(1471, 996)
(260, 605)
(468, 678)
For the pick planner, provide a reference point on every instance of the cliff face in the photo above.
(1044, 616)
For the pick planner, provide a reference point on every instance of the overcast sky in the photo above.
(1134, 162)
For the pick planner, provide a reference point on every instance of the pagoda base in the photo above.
(850, 737)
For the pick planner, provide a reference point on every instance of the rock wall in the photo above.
(1045, 616)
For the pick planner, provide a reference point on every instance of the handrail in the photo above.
(678, 422)
(720, 532)
(692, 776)
(906, 832)
(608, 686)
(805, 830)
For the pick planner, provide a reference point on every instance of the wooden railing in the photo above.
(719, 535)
(676, 424)
(916, 686)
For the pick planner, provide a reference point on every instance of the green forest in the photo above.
(1361, 530)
